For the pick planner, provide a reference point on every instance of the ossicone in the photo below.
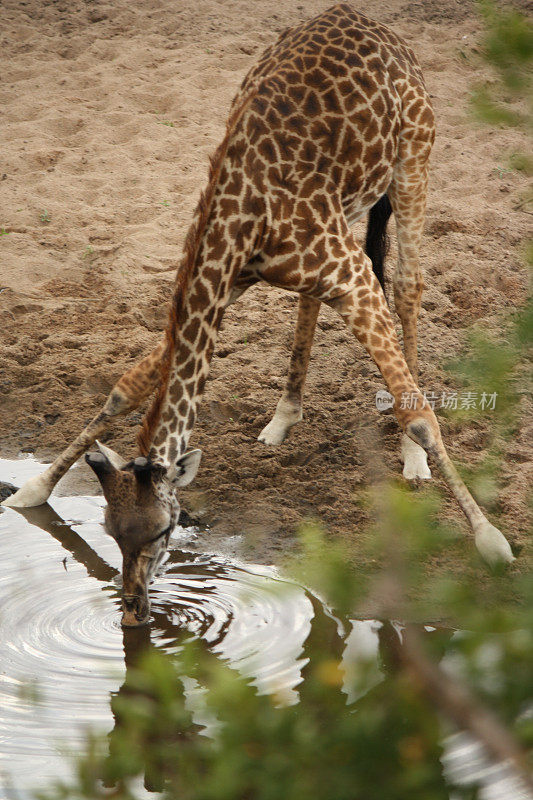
(144, 469)
(99, 463)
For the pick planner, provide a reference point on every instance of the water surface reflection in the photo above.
(63, 654)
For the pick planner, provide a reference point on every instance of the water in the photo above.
(63, 652)
(60, 635)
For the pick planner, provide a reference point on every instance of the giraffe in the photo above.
(334, 117)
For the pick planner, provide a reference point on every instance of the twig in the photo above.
(455, 700)
(452, 697)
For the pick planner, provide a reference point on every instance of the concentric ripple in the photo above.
(61, 644)
(253, 620)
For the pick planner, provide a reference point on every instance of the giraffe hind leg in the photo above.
(413, 456)
(289, 408)
(407, 194)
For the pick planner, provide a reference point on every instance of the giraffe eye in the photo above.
(160, 535)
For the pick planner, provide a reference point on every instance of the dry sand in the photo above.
(108, 114)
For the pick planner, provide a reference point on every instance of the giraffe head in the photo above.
(142, 511)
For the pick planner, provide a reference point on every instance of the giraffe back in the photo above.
(335, 98)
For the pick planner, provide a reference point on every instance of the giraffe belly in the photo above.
(353, 211)
(325, 281)
(355, 208)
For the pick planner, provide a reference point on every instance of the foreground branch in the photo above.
(449, 695)
(456, 702)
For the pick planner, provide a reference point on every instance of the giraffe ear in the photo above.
(117, 461)
(186, 468)
(100, 464)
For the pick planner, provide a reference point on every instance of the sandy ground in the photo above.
(108, 114)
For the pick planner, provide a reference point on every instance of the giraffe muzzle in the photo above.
(135, 611)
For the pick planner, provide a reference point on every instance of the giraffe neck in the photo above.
(225, 248)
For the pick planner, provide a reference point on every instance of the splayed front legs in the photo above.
(132, 388)
(37, 490)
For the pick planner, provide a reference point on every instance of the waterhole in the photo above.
(63, 653)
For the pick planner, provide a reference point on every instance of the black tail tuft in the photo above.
(377, 241)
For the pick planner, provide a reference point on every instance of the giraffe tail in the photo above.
(377, 241)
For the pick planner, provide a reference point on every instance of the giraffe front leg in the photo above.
(289, 408)
(490, 542)
(366, 313)
(131, 389)
(37, 490)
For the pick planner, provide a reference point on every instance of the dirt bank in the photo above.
(109, 113)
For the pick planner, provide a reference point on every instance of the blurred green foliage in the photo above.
(508, 49)
(502, 364)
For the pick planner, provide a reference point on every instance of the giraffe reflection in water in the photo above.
(318, 664)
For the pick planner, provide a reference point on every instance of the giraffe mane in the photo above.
(185, 271)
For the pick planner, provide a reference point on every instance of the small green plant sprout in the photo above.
(166, 122)
(3, 232)
(89, 251)
(502, 171)
(164, 203)
(45, 216)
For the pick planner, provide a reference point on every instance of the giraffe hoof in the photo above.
(274, 433)
(35, 492)
(492, 545)
(415, 460)
(287, 414)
